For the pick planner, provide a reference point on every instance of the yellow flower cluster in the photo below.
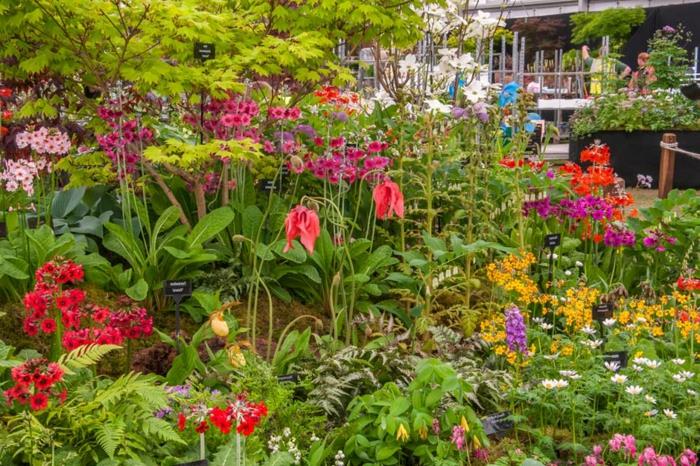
(510, 273)
(493, 330)
(641, 317)
(577, 309)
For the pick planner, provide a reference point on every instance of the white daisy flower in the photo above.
(538, 320)
(593, 344)
(634, 389)
(687, 374)
(651, 364)
(588, 330)
(546, 326)
(670, 414)
(570, 374)
(561, 383)
(579, 264)
(691, 392)
(567, 273)
(678, 361)
(609, 322)
(637, 368)
(650, 399)
(618, 378)
(549, 384)
(679, 378)
(612, 365)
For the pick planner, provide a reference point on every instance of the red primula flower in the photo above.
(221, 419)
(100, 314)
(35, 301)
(30, 327)
(202, 427)
(181, 421)
(48, 326)
(62, 395)
(389, 199)
(39, 401)
(303, 223)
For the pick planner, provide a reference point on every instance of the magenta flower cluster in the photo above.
(616, 236)
(516, 333)
(231, 118)
(349, 163)
(658, 240)
(627, 446)
(625, 443)
(123, 145)
(587, 206)
(281, 113)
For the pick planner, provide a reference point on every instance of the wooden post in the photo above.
(666, 166)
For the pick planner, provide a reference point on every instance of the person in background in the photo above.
(644, 76)
(601, 68)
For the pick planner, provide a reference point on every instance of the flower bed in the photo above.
(222, 258)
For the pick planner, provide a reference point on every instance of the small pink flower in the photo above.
(458, 437)
(277, 113)
(374, 146)
(293, 113)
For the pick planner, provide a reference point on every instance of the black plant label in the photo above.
(204, 51)
(177, 289)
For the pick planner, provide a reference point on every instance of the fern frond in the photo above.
(161, 429)
(84, 356)
(109, 437)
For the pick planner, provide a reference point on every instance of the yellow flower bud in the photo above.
(423, 433)
(401, 433)
(463, 423)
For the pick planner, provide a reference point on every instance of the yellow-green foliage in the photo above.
(90, 169)
(193, 157)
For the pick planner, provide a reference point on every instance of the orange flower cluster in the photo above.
(596, 176)
(510, 162)
(584, 183)
(688, 284)
(597, 154)
(332, 95)
(622, 200)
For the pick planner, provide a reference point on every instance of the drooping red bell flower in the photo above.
(389, 199)
(302, 223)
(5, 92)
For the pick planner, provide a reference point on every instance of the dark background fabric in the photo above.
(688, 15)
(657, 17)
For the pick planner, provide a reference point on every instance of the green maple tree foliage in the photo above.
(149, 43)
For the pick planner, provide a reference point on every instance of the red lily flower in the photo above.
(303, 223)
(388, 198)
